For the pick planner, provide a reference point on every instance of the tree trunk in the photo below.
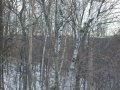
(77, 83)
(43, 60)
(1, 46)
(90, 69)
(24, 48)
(30, 77)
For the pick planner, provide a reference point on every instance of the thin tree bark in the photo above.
(30, 77)
(43, 60)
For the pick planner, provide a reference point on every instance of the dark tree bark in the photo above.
(1, 46)
(24, 50)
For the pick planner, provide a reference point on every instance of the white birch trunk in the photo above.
(58, 34)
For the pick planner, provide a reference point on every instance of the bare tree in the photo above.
(52, 40)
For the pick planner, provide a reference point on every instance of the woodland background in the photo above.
(59, 45)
